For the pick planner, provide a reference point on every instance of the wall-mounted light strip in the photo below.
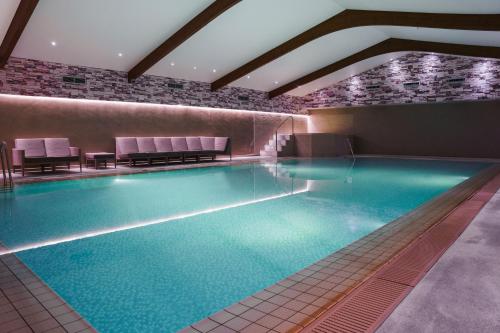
(142, 224)
(167, 106)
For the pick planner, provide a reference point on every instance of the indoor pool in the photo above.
(156, 252)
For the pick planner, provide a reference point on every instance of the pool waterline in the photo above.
(322, 176)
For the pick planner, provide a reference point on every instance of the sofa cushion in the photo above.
(207, 143)
(220, 144)
(31, 147)
(57, 147)
(146, 145)
(163, 144)
(127, 145)
(193, 143)
(179, 144)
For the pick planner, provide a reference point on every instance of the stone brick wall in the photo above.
(412, 78)
(441, 78)
(39, 78)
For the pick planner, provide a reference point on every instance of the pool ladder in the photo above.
(349, 144)
(7, 184)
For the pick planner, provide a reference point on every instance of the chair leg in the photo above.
(22, 169)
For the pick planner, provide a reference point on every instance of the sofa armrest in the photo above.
(74, 151)
(17, 156)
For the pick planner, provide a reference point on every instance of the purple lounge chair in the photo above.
(44, 152)
(165, 148)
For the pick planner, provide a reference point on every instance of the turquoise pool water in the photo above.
(230, 231)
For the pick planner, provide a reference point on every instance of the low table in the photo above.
(98, 158)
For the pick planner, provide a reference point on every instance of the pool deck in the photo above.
(27, 304)
(123, 169)
(461, 293)
(296, 303)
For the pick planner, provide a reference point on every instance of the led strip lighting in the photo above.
(143, 224)
(168, 106)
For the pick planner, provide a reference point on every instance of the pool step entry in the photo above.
(6, 185)
(284, 145)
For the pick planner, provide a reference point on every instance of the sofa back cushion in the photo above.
(194, 143)
(146, 145)
(126, 145)
(179, 144)
(221, 144)
(31, 147)
(57, 147)
(163, 144)
(207, 143)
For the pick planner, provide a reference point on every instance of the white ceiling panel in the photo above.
(247, 30)
(485, 38)
(7, 11)
(312, 56)
(426, 6)
(93, 32)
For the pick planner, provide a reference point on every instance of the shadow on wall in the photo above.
(455, 129)
(93, 125)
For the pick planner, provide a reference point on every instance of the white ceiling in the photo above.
(7, 11)
(93, 32)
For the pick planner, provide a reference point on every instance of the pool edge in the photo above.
(300, 300)
(28, 304)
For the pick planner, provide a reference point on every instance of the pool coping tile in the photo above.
(32, 302)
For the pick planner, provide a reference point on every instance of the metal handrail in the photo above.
(350, 147)
(7, 182)
(279, 126)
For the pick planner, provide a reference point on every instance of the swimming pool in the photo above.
(155, 252)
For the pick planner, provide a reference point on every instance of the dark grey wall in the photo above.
(457, 129)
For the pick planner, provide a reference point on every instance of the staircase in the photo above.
(284, 146)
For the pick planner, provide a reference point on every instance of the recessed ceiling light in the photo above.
(214, 70)
(391, 59)
(276, 82)
(53, 43)
(195, 68)
(248, 76)
(172, 63)
(120, 54)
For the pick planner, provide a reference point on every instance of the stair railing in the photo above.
(348, 140)
(277, 129)
(7, 183)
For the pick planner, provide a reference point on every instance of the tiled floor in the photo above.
(293, 303)
(461, 292)
(29, 305)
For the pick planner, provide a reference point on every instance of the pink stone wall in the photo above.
(385, 84)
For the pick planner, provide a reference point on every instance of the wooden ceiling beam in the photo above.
(189, 29)
(388, 46)
(16, 28)
(358, 18)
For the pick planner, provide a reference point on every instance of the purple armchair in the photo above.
(44, 152)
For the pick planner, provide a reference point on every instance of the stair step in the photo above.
(268, 153)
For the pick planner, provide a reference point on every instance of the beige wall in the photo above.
(92, 125)
(457, 129)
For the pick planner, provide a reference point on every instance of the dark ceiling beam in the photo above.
(388, 46)
(189, 29)
(16, 28)
(358, 18)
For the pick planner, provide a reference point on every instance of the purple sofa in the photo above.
(44, 152)
(164, 149)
